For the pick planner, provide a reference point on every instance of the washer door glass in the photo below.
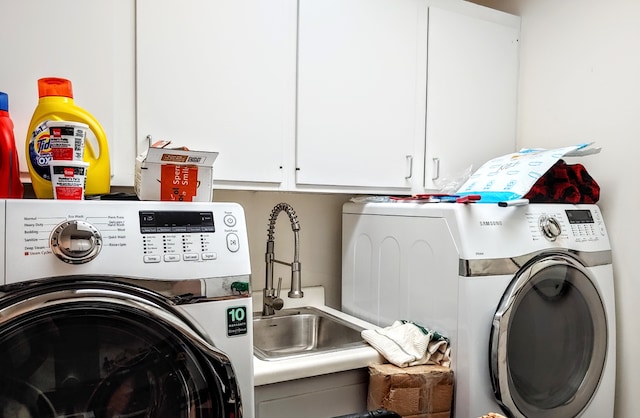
(549, 340)
(99, 360)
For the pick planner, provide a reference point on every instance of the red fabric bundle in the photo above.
(564, 183)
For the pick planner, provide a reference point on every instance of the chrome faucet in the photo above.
(271, 301)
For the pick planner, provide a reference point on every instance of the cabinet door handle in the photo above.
(436, 169)
(409, 167)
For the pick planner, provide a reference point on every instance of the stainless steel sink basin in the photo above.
(300, 332)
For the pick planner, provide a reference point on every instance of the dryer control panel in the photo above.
(585, 222)
(580, 225)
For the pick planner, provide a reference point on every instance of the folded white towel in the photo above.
(405, 343)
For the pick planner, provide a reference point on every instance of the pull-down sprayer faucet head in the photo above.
(271, 300)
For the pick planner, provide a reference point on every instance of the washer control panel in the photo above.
(173, 236)
(159, 240)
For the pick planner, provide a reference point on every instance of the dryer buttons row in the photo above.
(587, 230)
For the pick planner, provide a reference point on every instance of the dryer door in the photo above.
(108, 351)
(549, 340)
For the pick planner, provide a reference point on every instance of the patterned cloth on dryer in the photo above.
(564, 183)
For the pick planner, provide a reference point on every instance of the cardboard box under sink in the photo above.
(415, 392)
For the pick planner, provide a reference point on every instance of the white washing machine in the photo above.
(525, 294)
(130, 309)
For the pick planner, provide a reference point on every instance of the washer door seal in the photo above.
(548, 341)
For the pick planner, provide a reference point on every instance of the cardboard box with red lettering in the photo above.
(179, 175)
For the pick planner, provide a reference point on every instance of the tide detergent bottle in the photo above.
(10, 184)
(56, 103)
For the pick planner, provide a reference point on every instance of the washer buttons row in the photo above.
(172, 258)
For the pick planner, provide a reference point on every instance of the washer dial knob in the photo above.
(75, 242)
(550, 227)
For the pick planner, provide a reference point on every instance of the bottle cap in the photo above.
(4, 101)
(53, 86)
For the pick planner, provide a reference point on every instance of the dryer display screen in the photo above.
(163, 222)
(576, 216)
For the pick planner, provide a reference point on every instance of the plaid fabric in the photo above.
(564, 183)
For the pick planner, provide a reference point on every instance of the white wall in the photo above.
(580, 81)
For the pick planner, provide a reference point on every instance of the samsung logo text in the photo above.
(490, 223)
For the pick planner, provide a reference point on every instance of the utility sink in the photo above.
(298, 332)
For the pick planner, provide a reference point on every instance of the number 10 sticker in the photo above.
(236, 321)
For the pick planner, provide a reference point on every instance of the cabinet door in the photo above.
(472, 90)
(219, 75)
(327, 395)
(361, 92)
(90, 43)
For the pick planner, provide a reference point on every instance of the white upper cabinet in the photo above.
(472, 89)
(361, 92)
(219, 75)
(402, 96)
(356, 96)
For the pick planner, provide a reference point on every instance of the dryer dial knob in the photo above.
(550, 227)
(75, 242)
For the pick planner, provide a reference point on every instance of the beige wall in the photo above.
(320, 217)
(579, 82)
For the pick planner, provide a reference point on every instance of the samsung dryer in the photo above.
(524, 293)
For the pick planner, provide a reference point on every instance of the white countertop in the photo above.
(266, 372)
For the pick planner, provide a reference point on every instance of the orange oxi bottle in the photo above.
(56, 104)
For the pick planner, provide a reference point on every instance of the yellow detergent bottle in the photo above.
(56, 103)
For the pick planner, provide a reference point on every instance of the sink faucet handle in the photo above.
(277, 303)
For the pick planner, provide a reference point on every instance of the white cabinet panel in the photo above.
(323, 396)
(90, 43)
(329, 95)
(391, 91)
(361, 92)
(471, 91)
(219, 75)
